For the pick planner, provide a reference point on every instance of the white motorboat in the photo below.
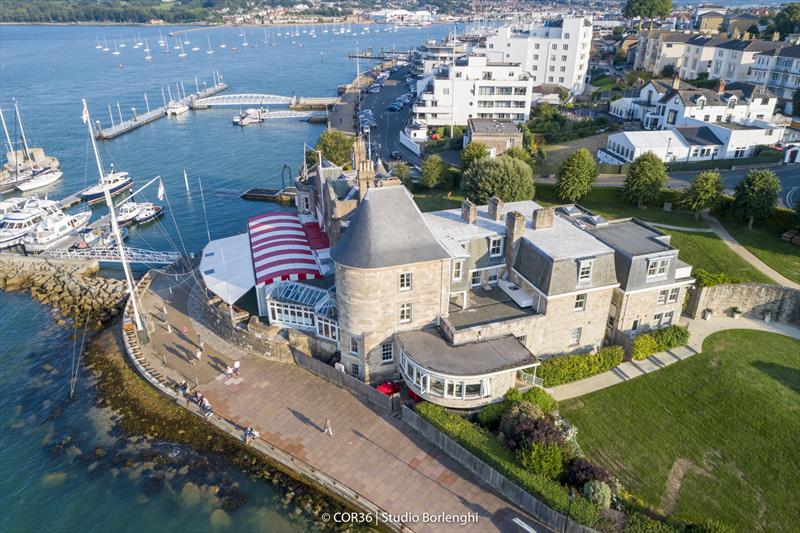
(9, 205)
(117, 182)
(177, 108)
(54, 230)
(127, 213)
(22, 220)
(39, 179)
(148, 211)
(250, 116)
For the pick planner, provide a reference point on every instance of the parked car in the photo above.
(395, 107)
(396, 155)
(375, 89)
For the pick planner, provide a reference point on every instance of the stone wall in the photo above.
(72, 286)
(753, 299)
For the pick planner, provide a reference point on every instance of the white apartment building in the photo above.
(779, 69)
(658, 48)
(733, 59)
(474, 87)
(430, 55)
(556, 53)
(698, 56)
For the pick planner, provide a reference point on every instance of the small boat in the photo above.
(40, 178)
(182, 54)
(209, 51)
(148, 212)
(127, 213)
(9, 205)
(105, 45)
(54, 230)
(117, 182)
(98, 45)
(24, 219)
(177, 108)
(115, 52)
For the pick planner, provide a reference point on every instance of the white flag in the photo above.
(160, 190)
(85, 116)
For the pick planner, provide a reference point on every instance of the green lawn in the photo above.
(707, 251)
(728, 419)
(767, 246)
(437, 199)
(608, 201)
(557, 153)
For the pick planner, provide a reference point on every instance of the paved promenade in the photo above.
(369, 453)
(699, 330)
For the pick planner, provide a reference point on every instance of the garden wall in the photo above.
(505, 487)
(754, 300)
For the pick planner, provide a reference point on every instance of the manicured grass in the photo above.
(729, 418)
(766, 244)
(608, 201)
(557, 153)
(707, 251)
(437, 199)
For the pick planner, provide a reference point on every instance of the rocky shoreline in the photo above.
(72, 288)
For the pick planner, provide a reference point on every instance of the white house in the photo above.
(733, 59)
(474, 87)
(698, 56)
(779, 69)
(556, 53)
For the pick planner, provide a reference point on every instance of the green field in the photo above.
(708, 252)
(767, 246)
(608, 201)
(713, 436)
(437, 199)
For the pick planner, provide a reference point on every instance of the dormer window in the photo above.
(495, 247)
(585, 271)
(657, 267)
(731, 102)
(701, 102)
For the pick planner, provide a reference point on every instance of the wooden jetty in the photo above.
(282, 196)
(144, 118)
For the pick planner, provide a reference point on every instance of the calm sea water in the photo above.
(46, 486)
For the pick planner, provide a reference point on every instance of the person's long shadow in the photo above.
(180, 352)
(304, 419)
(217, 363)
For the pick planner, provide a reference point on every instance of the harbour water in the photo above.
(45, 482)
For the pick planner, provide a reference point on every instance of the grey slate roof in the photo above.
(493, 126)
(387, 230)
(705, 40)
(755, 45)
(533, 265)
(699, 136)
(429, 349)
(786, 51)
(632, 237)
(751, 90)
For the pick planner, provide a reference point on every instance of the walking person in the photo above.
(198, 355)
(236, 367)
(328, 428)
(185, 331)
(228, 371)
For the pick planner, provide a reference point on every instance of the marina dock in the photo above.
(115, 130)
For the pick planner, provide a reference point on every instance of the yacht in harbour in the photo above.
(148, 212)
(177, 108)
(22, 220)
(54, 230)
(117, 182)
(127, 213)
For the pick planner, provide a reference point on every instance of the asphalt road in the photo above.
(788, 174)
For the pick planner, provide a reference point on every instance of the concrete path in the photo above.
(745, 254)
(373, 454)
(699, 329)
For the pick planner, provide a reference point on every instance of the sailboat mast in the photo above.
(26, 156)
(11, 149)
(114, 225)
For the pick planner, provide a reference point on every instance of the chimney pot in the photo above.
(495, 208)
(676, 82)
(469, 211)
(544, 217)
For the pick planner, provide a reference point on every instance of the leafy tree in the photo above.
(756, 195)
(668, 71)
(576, 175)
(646, 176)
(336, 147)
(796, 103)
(705, 192)
(753, 30)
(472, 152)
(433, 170)
(507, 178)
(518, 152)
(647, 9)
(788, 19)
(618, 32)
(401, 171)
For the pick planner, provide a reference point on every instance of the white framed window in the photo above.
(355, 371)
(580, 302)
(492, 276)
(327, 328)
(458, 268)
(673, 295)
(662, 296)
(667, 319)
(354, 345)
(405, 312)
(475, 278)
(575, 336)
(657, 267)
(387, 352)
(657, 320)
(585, 271)
(495, 247)
(405, 281)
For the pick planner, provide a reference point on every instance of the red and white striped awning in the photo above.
(280, 247)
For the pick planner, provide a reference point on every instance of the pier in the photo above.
(294, 102)
(140, 119)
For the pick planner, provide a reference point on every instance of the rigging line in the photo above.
(77, 365)
(74, 346)
(175, 223)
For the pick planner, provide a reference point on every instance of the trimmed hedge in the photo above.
(647, 344)
(569, 368)
(490, 449)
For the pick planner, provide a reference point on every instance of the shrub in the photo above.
(709, 279)
(580, 471)
(598, 492)
(433, 169)
(472, 152)
(639, 523)
(490, 449)
(513, 395)
(541, 399)
(542, 459)
(489, 417)
(518, 424)
(569, 368)
(644, 346)
(647, 344)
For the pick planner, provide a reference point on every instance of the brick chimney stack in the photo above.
(469, 211)
(544, 217)
(776, 36)
(676, 82)
(495, 208)
(720, 86)
(515, 226)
